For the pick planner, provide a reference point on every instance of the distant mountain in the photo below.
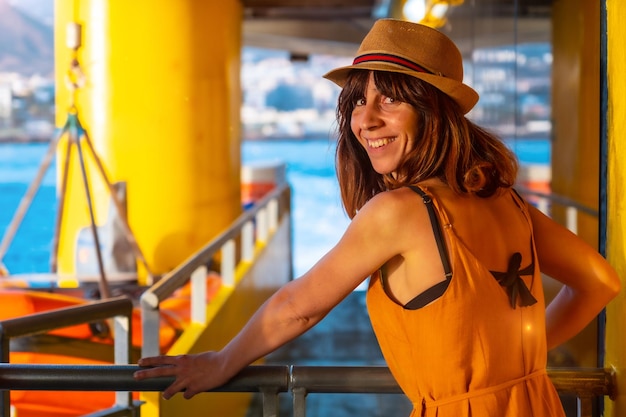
(26, 44)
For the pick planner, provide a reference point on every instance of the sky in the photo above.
(40, 9)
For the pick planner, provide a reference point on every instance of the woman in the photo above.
(454, 254)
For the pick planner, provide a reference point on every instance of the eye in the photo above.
(389, 100)
(359, 102)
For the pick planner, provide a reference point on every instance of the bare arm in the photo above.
(295, 308)
(589, 281)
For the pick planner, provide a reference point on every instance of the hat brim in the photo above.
(465, 96)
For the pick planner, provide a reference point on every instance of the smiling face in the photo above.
(386, 128)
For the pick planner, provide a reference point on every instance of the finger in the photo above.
(188, 393)
(156, 360)
(175, 387)
(159, 371)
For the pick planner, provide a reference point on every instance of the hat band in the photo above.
(391, 59)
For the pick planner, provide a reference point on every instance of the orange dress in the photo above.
(469, 353)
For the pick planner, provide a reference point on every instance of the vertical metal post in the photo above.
(261, 225)
(198, 295)
(150, 326)
(584, 406)
(299, 401)
(228, 263)
(270, 401)
(571, 216)
(122, 344)
(247, 242)
(273, 214)
(5, 396)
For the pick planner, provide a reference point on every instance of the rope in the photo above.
(75, 79)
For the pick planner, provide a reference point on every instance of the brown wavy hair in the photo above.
(469, 159)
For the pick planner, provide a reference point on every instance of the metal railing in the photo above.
(120, 309)
(251, 230)
(545, 201)
(270, 381)
(236, 248)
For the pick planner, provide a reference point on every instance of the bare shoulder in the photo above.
(375, 235)
(391, 215)
(394, 205)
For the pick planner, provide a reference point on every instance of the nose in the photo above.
(369, 117)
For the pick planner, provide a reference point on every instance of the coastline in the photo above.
(23, 139)
(19, 138)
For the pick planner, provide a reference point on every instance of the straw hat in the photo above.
(413, 49)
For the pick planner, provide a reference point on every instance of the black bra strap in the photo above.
(434, 220)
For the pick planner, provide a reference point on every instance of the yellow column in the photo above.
(616, 209)
(575, 108)
(576, 130)
(161, 104)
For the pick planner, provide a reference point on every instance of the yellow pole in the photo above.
(576, 131)
(575, 109)
(161, 105)
(616, 207)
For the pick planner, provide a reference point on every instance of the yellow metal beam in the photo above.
(616, 207)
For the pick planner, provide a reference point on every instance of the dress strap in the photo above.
(434, 220)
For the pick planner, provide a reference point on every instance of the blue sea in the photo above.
(318, 220)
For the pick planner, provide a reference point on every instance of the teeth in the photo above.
(379, 142)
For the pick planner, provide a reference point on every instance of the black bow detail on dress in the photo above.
(513, 282)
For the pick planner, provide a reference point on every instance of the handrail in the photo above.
(253, 226)
(585, 383)
(179, 276)
(572, 207)
(559, 199)
(120, 308)
(37, 377)
(63, 317)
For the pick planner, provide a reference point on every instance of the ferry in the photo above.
(166, 243)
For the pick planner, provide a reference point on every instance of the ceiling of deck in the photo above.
(338, 26)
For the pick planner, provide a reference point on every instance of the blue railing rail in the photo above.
(119, 309)
(272, 380)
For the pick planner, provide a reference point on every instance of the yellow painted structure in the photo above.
(577, 113)
(576, 109)
(226, 314)
(616, 208)
(161, 105)
(576, 132)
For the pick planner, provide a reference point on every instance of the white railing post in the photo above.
(571, 219)
(228, 263)
(261, 225)
(247, 242)
(122, 344)
(272, 208)
(198, 295)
